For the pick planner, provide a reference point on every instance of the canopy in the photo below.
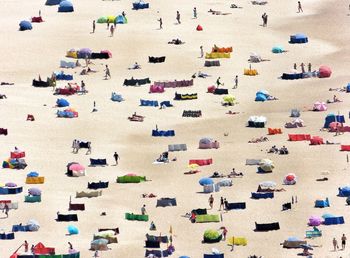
(206, 181)
(324, 71)
(25, 25)
(268, 184)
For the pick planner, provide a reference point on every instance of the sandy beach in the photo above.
(47, 140)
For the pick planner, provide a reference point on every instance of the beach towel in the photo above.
(262, 195)
(152, 59)
(76, 207)
(97, 185)
(138, 217)
(177, 147)
(35, 180)
(160, 133)
(267, 226)
(201, 162)
(67, 217)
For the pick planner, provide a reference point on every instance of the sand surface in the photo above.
(47, 141)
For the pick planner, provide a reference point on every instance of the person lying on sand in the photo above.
(235, 6)
(135, 66)
(337, 89)
(203, 75)
(7, 83)
(3, 96)
(176, 42)
(233, 173)
(232, 112)
(217, 175)
(257, 140)
(151, 195)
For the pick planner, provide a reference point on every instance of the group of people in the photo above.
(32, 249)
(76, 145)
(302, 65)
(343, 243)
(111, 27)
(282, 150)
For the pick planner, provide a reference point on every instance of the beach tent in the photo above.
(208, 143)
(25, 25)
(53, 2)
(333, 118)
(320, 106)
(140, 5)
(257, 121)
(344, 191)
(322, 203)
(199, 28)
(65, 7)
(255, 58)
(298, 38)
(102, 19)
(324, 71)
(62, 103)
(295, 112)
(212, 236)
(277, 49)
(261, 95)
(121, 19)
(117, 97)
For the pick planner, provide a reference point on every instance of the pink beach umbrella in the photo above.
(76, 167)
(320, 106)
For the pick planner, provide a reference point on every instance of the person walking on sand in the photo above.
(218, 83)
(295, 66)
(112, 30)
(224, 233)
(195, 13)
(202, 51)
(309, 67)
(143, 209)
(94, 109)
(107, 24)
(160, 23)
(93, 26)
(236, 82)
(343, 242)
(302, 65)
(88, 148)
(6, 210)
(39, 13)
(225, 204)
(264, 18)
(335, 244)
(221, 203)
(107, 73)
(178, 17)
(211, 201)
(96, 254)
(116, 157)
(300, 9)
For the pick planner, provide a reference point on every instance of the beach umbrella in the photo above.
(33, 225)
(315, 221)
(267, 165)
(11, 184)
(229, 99)
(34, 191)
(290, 179)
(76, 167)
(324, 71)
(268, 184)
(100, 241)
(33, 174)
(206, 181)
(320, 106)
(72, 230)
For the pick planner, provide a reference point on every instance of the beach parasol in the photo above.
(34, 191)
(206, 181)
(76, 167)
(33, 174)
(11, 184)
(72, 230)
(268, 184)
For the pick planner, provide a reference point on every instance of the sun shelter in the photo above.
(257, 121)
(319, 106)
(120, 19)
(25, 25)
(265, 166)
(212, 236)
(333, 118)
(322, 203)
(62, 103)
(315, 232)
(298, 38)
(65, 7)
(140, 5)
(40, 249)
(324, 71)
(37, 19)
(278, 49)
(164, 202)
(344, 191)
(290, 179)
(53, 2)
(208, 143)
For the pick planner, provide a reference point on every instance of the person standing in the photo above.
(70, 246)
(112, 30)
(225, 204)
(309, 67)
(160, 23)
(335, 244)
(116, 157)
(236, 82)
(39, 13)
(143, 209)
(6, 210)
(343, 242)
(263, 19)
(302, 65)
(96, 254)
(93, 26)
(300, 9)
(211, 201)
(107, 24)
(83, 87)
(222, 203)
(178, 17)
(108, 73)
(224, 233)
(26, 246)
(195, 13)
(202, 51)
(88, 148)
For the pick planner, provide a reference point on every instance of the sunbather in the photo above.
(3, 96)
(203, 75)
(234, 173)
(7, 83)
(135, 66)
